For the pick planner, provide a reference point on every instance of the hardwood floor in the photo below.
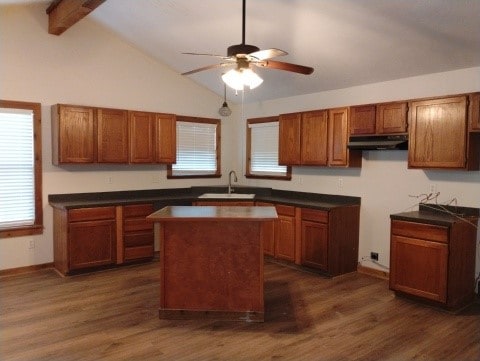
(113, 315)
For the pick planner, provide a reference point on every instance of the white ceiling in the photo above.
(348, 42)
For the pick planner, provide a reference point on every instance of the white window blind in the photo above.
(17, 181)
(264, 150)
(196, 149)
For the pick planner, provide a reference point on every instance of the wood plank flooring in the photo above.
(113, 315)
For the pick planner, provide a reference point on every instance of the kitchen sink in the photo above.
(227, 195)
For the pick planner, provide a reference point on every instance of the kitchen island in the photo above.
(211, 261)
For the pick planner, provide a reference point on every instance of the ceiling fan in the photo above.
(243, 56)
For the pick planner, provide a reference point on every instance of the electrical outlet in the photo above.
(374, 256)
(300, 180)
(109, 180)
(340, 182)
(433, 188)
(31, 244)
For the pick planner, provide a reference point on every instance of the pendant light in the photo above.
(224, 111)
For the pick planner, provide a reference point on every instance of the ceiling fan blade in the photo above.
(267, 54)
(207, 68)
(214, 55)
(280, 65)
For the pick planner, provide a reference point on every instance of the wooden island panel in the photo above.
(211, 261)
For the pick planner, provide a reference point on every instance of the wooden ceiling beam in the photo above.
(62, 14)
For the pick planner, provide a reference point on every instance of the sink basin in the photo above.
(227, 195)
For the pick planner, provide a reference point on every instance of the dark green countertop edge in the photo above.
(438, 215)
(183, 196)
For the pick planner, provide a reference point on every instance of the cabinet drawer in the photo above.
(420, 230)
(314, 215)
(137, 210)
(285, 210)
(133, 253)
(138, 239)
(137, 224)
(91, 214)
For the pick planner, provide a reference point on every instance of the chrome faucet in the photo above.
(230, 189)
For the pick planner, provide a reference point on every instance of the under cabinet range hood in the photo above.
(378, 142)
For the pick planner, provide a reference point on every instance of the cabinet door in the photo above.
(112, 136)
(142, 128)
(285, 238)
(437, 137)
(76, 130)
(338, 137)
(419, 267)
(289, 139)
(166, 138)
(315, 244)
(314, 150)
(474, 113)
(391, 118)
(268, 232)
(362, 120)
(91, 244)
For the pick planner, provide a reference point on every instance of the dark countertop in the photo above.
(438, 215)
(189, 213)
(184, 196)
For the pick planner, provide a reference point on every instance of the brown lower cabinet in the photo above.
(86, 238)
(433, 262)
(138, 234)
(323, 240)
(329, 239)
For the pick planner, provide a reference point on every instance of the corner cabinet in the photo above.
(433, 262)
(329, 239)
(438, 135)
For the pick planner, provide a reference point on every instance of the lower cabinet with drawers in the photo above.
(93, 237)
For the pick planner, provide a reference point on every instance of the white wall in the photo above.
(87, 65)
(384, 182)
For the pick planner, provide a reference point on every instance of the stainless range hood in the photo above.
(378, 142)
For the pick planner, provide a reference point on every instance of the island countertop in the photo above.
(226, 213)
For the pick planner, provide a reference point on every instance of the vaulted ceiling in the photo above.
(348, 42)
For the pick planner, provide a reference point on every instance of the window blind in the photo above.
(196, 149)
(264, 150)
(17, 182)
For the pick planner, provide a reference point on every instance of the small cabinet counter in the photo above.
(433, 254)
(211, 261)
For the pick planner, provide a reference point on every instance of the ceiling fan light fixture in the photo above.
(239, 78)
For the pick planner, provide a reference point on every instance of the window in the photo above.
(262, 150)
(198, 148)
(20, 169)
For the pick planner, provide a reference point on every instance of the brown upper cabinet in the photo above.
(112, 136)
(315, 138)
(475, 112)
(338, 153)
(289, 146)
(152, 137)
(166, 138)
(73, 134)
(82, 134)
(303, 138)
(438, 135)
(386, 118)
